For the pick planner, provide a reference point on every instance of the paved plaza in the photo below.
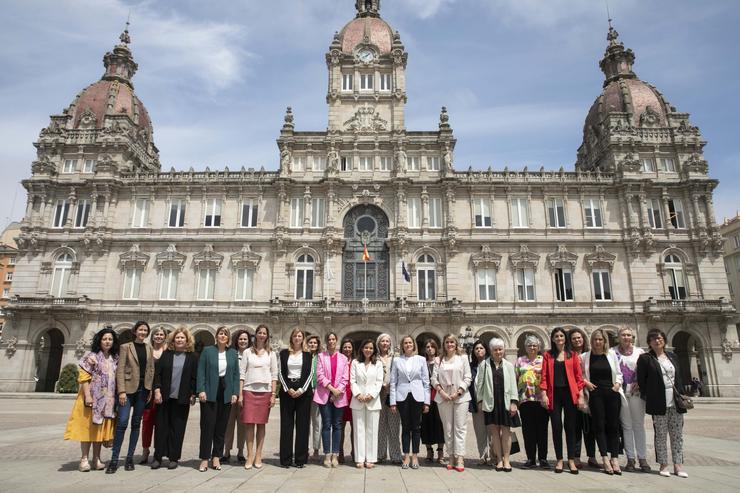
(33, 457)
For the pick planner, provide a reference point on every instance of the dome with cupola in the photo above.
(366, 29)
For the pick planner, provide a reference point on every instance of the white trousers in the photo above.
(481, 435)
(315, 426)
(454, 417)
(366, 435)
(632, 417)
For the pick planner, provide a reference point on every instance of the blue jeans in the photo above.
(331, 427)
(136, 401)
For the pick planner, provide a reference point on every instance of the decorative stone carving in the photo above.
(170, 258)
(630, 164)
(43, 166)
(207, 259)
(562, 258)
(288, 118)
(444, 119)
(485, 259)
(80, 347)
(726, 349)
(366, 120)
(649, 117)
(246, 258)
(524, 258)
(600, 258)
(133, 258)
(286, 160)
(696, 164)
(10, 348)
(88, 119)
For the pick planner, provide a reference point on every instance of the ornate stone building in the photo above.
(627, 238)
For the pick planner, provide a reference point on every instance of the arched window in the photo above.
(425, 272)
(62, 271)
(676, 280)
(304, 270)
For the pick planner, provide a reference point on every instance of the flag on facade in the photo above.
(406, 275)
(365, 255)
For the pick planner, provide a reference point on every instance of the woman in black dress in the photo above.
(431, 425)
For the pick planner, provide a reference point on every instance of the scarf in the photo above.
(102, 385)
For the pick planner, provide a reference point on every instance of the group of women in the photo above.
(393, 402)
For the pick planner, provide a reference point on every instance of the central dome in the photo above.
(372, 30)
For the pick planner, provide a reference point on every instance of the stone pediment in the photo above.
(170, 258)
(524, 258)
(133, 258)
(246, 258)
(207, 259)
(366, 120)
(600, 258)
(486, 259)
(562, 258)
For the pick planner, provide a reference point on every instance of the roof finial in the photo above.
(612, 35)
(368, 8)
(124, 37)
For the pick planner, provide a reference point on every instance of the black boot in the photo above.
(129, 464)
(112, 467)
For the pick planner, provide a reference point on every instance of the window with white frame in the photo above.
(675, 277)
(304, 271)
(319, 163)
(168, 279)
(676, 215)
(299, 163)
(414, 212)
(486, 284)
(89, 166)
(519, 212)
(8, 277)
(206, 283)
(366, 163)
(386, 162)
(60, 277)
(385, 82)
(602, 285)
(345, 163)
(433, 163)
(296, 212)
(212, 217)
(249, 213)
(6, 295)
(139, 217)
(556, 213)
(426, 274)
(11, 260)
(563, 284)
(648, 164)
(482, 212)
(414, 163)
(244, 278)
(655, 218)
(318, 212)
(525, 284)
(70, 166)
(736, 238)
(366, 82)
(177, 214)
(83, 213)
(347, 82)
(131, 283)
(435, 212)
(592, 211)
(666, 164)
(61, 211)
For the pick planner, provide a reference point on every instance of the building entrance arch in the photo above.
(203, 339)
(690, 353)
(49, 351)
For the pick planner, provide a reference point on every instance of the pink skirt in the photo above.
(256, 407)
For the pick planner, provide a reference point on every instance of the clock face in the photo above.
(366, 56)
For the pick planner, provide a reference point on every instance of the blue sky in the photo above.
(517, 76)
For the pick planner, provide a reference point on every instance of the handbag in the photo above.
(387, 400)
(515, 448)
(682, 401)
(583, 404)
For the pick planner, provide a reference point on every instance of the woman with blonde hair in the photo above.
(389, 425)
(632, 413)
(296, 395)
(451, 379)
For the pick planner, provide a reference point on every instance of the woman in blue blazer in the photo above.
(410, 395)
(218, 389)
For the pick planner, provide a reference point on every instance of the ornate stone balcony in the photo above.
(692, 305)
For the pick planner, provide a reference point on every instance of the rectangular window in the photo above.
(131, 283)
(427, 286)
(593, 213)
(486, 285)
(206, 283)
(213, 214)
(414, 211)
(433, 163)
(139, 218)
(366, 82)
(435, 212)
(6, 293)
(249, 213)
(386, 163)
(318, 212)
(602, 285)
(736, 238)
(347, 82)
(413, 163)
(345, 163)
(525, 284)
(654, 216)
(244, 284)
(385, 82)
(519, 213)
(304, 284)
(8, 277)
(676, 284)
(666, 164)
(299, 163)
(83, 212)
(89, 166)
(61, 211)
(11, 260)
(648, 165)
(556, 213)
(296, 212)
(675, 209)
(177, 214)
(482, 212)
(366, 163)
(563, 285)
(319, 163)
(168, 283)
(70, 166)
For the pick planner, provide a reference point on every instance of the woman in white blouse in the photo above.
(451, 378)
(366, 379)
(259, 374)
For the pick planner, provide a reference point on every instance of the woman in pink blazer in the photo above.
(332, 371)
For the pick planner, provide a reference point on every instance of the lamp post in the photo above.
(467, 339)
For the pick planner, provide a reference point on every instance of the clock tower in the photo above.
(367, 74)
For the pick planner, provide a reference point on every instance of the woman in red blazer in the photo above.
(561, 391)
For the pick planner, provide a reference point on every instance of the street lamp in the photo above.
(467, 339)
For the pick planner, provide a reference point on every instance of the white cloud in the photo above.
(426, 8)
(550, 13)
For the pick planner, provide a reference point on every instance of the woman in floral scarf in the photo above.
(93, 415)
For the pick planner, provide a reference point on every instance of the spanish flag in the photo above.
(365, 255)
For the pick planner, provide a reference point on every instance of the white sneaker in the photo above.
(665, 473)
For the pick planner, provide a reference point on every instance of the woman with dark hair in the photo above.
(313, 344)
(534, 416)
(659, 378)
(585, 434)
(296, 394)
(92, 420)
(158, 339)
(330, 395)
(218, 389)
(239, 341)
(348, 349)
(431, 426)
(477, 356)
(366, 380)
(561, 391)
(134, 378)
(175, 379)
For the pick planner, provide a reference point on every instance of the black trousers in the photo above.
(172, 418)
(410, 412)
(295, 415)
(214, 416)
(534, 428)
(585, 435)
(605, 405)
(563, 404)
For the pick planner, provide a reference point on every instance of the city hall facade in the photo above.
(627, 238)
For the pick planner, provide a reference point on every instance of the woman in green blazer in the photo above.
(218, 389)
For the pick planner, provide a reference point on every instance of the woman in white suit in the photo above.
(366, 379)
(410, 395)
(451, 378)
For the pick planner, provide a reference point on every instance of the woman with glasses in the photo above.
(534, 417)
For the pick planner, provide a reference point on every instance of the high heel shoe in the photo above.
(572, 468)
(144, 457)
(615, 467)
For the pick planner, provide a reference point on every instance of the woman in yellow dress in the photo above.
(92, 421)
